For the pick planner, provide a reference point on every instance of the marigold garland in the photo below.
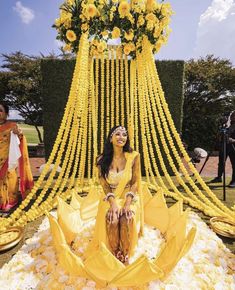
(144, 110)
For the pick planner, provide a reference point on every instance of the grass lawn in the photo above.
(31, 133)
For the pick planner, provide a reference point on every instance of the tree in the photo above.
(209, 93)
(21, 87)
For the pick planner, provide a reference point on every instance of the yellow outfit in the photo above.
(9, 185)
(99, 263)
(120, 183)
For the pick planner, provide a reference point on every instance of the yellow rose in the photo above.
(116, 32)
(67, 23)
(105, 33)
(113, 8)
(132, 46)
(141, 20)
(165, 21)
(151, 17)
(149, 5)
(157, 31)
(158, 45)
(124, 9)
(70, 2)
(129, 35)
(65, 14)
(71, 36)
(84, 27)
(126, 49)
(91, 10)
(67, 47)
(166, 10)
(150, 25)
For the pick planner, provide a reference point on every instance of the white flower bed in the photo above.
(208, 264)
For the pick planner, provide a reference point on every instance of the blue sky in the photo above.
(199, 27)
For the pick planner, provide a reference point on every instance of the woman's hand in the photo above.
(127, 211)
(17, 131)
(231, 140)
(113, 213)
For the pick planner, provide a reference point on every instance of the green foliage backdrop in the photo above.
(56, 81)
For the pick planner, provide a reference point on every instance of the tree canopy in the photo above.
(20, 86)
(209, 94)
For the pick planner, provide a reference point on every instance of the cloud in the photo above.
(26, 14)
(216, 30)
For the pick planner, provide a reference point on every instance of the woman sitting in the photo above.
(118, 221)
(13, 148)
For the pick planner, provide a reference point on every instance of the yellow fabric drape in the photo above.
(69, 220)
(9, 185)
(8, 180)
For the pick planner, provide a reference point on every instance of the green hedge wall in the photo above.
(56, 81)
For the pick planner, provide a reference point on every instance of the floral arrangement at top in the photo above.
(114, 19)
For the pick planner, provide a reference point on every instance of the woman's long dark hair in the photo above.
(6, 107)
(105, 159)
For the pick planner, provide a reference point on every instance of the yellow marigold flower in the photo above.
(101, 46)
(116, 32)
(126, 49)
(151, 17)
(95, 52)
(84, 27)
(141, 20)
(71, 36)
(95, 42)
(132, 46)
(67, 47)
(91, 10)
(129, 35)
(124, 9)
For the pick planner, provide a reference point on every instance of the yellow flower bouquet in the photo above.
(105, 20)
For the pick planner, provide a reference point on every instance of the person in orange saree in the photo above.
(13, 155)
(119, 217)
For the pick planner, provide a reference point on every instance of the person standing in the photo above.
(13, 155)
(230, 152)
